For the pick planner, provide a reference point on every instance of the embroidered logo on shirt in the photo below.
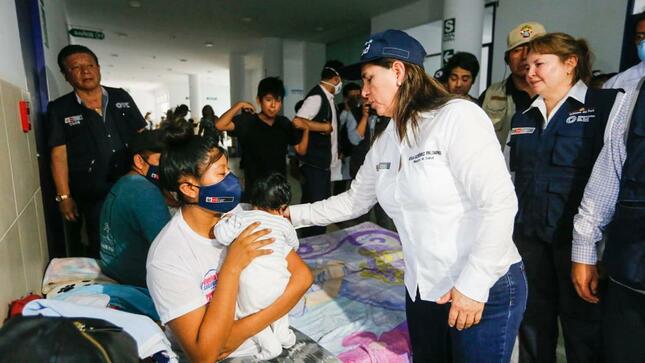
(73, 120)
(382, 166)
(522, 130)
(209, 282)
(582, 115)
(424, 155)
(122, 105)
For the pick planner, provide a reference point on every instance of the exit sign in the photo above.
(84, 33)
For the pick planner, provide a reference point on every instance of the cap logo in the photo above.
(367, 45)
(526, 31)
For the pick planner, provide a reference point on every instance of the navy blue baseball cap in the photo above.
(395, 44)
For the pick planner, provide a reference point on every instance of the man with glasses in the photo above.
(629, 79)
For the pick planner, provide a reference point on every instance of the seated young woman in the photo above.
(192, 278)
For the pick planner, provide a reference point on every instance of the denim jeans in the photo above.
(490, 341)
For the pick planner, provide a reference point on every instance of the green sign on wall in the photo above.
(83, 33)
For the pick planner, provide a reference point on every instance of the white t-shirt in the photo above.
(449, 194)
(182, 270)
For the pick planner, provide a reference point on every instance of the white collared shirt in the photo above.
(449, 194)
(577, 92)
(628, 79)
(309, 110)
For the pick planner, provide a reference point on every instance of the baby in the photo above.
(266, 277)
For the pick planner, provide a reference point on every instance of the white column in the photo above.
(463, 22)
(236, 76)
(194, 95)
(272, 57)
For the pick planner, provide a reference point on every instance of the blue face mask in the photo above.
(221, 197)
(641, 50)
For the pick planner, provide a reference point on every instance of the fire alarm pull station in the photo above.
(24, 116)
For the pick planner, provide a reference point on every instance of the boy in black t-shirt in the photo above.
(264, 136)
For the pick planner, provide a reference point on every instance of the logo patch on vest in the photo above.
(522, 130)
(122, 105)
(73, 120)
(582, 115)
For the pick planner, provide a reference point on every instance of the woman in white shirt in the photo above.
(437, 170)
(193, 279)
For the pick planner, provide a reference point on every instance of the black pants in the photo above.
(552, 295)
(315, 187)
(429, 330)
(624, 324)
(90, 211)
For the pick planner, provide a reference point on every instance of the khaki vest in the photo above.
(500, 108)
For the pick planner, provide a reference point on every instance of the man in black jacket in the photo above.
(89, 129)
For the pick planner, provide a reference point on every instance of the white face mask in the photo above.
(337, 87)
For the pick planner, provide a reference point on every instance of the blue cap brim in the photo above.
(352, 72)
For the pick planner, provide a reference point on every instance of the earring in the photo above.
(398, 83)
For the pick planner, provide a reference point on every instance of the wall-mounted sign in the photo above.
(449, 30)
(84, 33)
(446, 55)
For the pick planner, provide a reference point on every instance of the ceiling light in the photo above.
(209, 44)
(247, 19)
(134, 4)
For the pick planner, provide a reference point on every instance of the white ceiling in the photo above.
(145, 45)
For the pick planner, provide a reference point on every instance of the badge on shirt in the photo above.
(522, 130)
(383, 166)
(122, 105)
(209, 282)
(581, 115)
(73, 120)
(424, 155)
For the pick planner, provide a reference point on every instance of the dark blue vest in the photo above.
(319, 149)
(625, 250)
(552, 165)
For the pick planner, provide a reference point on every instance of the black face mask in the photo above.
(153, 173)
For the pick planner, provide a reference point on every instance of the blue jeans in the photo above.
(490, 341)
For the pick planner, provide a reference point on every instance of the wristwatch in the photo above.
(61, 197)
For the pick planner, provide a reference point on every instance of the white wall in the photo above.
(216, 94)
(314, 60)
(294, 75)
(600, 22)
(417, 13)
(11, 65)
(23, 245)
(55, 37)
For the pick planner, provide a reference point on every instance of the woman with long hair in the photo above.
(438, 171)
